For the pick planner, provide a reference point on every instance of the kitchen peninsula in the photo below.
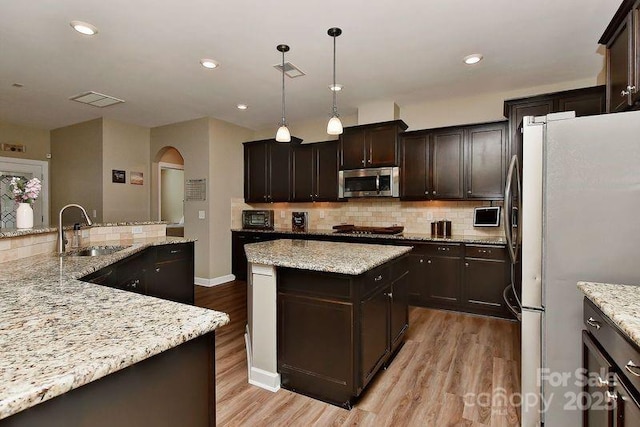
(324, 317)
(78, 353)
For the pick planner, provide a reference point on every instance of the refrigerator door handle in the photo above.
(512, 241)
(514, 310)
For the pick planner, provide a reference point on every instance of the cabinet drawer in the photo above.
(171, 252)
(373, 279)
(485, 252)
(625, 355)
(440, 249)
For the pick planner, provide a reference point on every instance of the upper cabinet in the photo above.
(463, 162)
(622, 39)
(314, 172)
(267, 171)
(371, 146)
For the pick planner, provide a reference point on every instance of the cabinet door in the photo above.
(486, 155)
(132, 272)
(597, 411)
(418, 293)
(172, 280)
(105, 277)
(414, 170)
(399, 298)
(443, 280)
(255, 172)
(382, 146)
(326, 171)
(447, 164)
(302, 173)
(635, 54)
(484, 282)
(591, 101)
(374, 321)
(352, 154)
(279, 172)
(627, 407)
(619, 67)
(517, 112)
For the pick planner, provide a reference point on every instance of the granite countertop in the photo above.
(58, 333)
(403, 236)
(332, 257)
(620, 303)
(17, 232)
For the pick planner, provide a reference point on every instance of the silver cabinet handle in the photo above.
(466, 264)
(468, 191)
(630, 90)
(611, 397)
(429, 262)
(158, 270)
(175, 251)
(421, 261)
(363, 161)
(369, 161)
(390, 295)
(630, 366)
(593, 322)
(377, 279)
(433, 192)
(426, 192)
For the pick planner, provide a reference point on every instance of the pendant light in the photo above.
(283, 134)
(334, 127)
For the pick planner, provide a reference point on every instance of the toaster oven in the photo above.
(257, 219)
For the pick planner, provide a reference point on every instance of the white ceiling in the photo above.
(147, 52)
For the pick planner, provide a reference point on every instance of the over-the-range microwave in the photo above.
(372, 182)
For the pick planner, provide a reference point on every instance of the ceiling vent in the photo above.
(290, 70)
(96, 99)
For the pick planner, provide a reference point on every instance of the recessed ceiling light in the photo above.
(209, 63)
(84, 28)
(472, 59)
(242, 106)
(336, 88)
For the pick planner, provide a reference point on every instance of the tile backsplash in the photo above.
(416, 217)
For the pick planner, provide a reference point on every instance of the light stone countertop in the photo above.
(620, 303)
(421, 237)
(58, 333)
(333, 257)
(18, 232)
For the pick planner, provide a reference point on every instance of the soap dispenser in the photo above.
(75, 238)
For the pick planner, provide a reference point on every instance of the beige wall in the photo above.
(191, 139)
(36, 141)
(172, 156)
(226, 165)
(125, 147)
(76, 169)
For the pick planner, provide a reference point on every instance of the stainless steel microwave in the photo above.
(372, 182)
(257, 219)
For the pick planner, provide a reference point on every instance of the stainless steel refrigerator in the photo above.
(579, 220)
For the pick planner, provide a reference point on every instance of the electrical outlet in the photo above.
(95, 214)
(321, 214)
(201, 215)
(430, 216)
(136, 230)
(282, 215)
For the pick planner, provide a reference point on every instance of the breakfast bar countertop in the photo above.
(621, 303)
(58, 333)
(332, 257)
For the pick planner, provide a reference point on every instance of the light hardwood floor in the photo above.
(448, 359)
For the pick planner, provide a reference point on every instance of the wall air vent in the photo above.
(290, 70)
(96, 99)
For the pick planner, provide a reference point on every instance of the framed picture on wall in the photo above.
(136, 178)
(119, 177)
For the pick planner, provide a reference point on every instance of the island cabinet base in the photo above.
(173, 388)
(336, 331)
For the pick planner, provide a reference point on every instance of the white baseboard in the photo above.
(215, 281)
(263, 379)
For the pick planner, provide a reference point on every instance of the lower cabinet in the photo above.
(165, 271)
(611, 391)
(335, 332)
(238, 257)
(486, 274)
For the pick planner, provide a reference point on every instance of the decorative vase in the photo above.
(24, 215)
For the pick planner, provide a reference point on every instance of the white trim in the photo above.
(263, 379)
(45, 181)
(201, 281)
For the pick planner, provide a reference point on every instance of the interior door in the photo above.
(10, 167)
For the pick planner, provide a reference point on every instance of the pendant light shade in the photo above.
(283, 134)
(334, 127)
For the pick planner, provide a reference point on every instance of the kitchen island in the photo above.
(77, 353)
(324, 317)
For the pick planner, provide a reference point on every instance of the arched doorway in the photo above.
(170, 189)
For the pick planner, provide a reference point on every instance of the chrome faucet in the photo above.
(61, 239)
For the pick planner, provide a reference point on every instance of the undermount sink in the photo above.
(96, 251)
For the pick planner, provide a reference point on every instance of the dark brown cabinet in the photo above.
(486, 273)
(585, 102)
(463, 162)
(165, 271)
(238, 256)
(435, 275)
(314, 172)
(368, 146)
(335, 332)
(610, 358)
(622, 40)
(267, 174)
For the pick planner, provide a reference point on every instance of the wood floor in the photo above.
(454, 370)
